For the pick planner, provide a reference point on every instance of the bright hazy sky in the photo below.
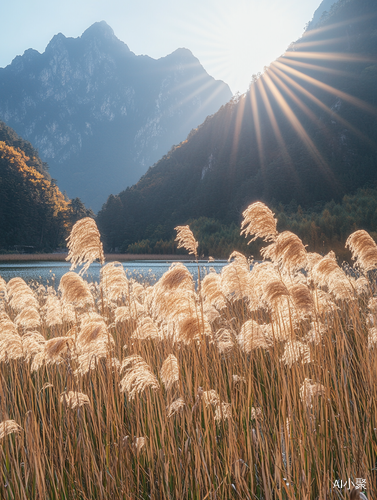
(232, 38)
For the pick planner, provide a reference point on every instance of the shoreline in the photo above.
(110, 257)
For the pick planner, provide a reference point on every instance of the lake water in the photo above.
(144, 271)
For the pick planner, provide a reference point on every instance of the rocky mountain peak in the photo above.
(99, 114)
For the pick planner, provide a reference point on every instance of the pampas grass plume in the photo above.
(84, 244)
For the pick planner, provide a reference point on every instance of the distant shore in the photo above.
(61, 257)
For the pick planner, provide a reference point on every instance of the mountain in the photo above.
(304, 133)
(323, 9)
(99, 114)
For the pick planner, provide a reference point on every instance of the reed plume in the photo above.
(294, 352)
(235, 277)
(10, 346)
(53, 351)
(54, 314)
(6, 324)
(186, 240)
(75, 290)
(114, 281)
(74, 399)
(302, 298)
(20, 295)
(326, 272)
(170, 371)
(32, 344)
(259, 221)
(211, 290)
(308, 391)
(224, 341)
(211, 398)
(178, 276)
(254, 336)
(175, 407)
(193, 328)
(90, 354)
(28, 318)
(372, 337)
(274, 292)
(84, 244)
(286, 251)
(9, 427)
(316, 333)
(363, 249)
(223, 412)
(138, 377)
(133, 310)
(146, 329)
(91, 329)
(3, 290)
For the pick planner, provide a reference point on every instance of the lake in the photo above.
(144, 271)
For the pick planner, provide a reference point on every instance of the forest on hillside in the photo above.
(34, 214)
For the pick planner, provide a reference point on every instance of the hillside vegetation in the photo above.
(305, 131)
(34, 214)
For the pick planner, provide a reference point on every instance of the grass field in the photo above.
(255, 383)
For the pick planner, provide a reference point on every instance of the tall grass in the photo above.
(260, 383)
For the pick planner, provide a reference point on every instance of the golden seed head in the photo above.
(186, 240)
(84, 244)
(259, 221)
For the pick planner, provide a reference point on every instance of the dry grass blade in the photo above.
(258, 220)
(186, 240)
(84, 244)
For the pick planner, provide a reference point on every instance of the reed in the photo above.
(261, 384)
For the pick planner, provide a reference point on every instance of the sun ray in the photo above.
(327, 88)
(318, 68)
(273, 121)
(298, 127)
(256, 121)
(237, 129)
(319, 103)
(330, 56)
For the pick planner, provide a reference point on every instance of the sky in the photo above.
(233, 39)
